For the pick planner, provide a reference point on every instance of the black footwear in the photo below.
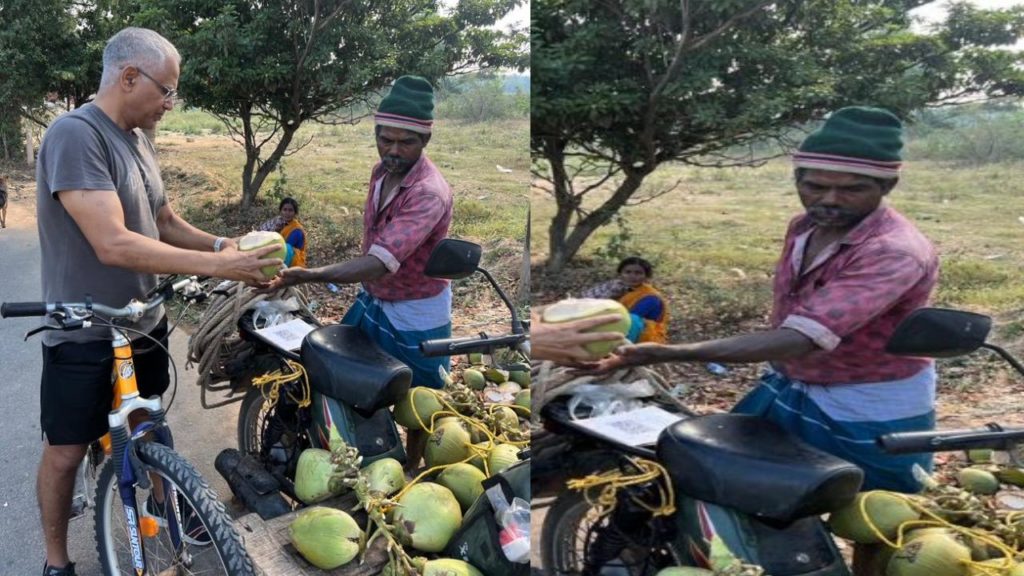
(192, 532)
(68, 570)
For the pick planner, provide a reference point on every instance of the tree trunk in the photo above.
(565, 239)
(29, 150)
(523, 287)
(254, 173)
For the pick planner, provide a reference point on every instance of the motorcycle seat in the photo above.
(343, 363)
(754, 466)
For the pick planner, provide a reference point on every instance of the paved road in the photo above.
(199, 434)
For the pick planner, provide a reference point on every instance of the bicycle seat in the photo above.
(754, 466)
(343, 363)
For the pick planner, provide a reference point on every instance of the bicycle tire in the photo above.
(226, 549)
(566, 517)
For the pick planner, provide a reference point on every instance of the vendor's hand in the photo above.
(246, 266)
(625, 356)
(288, 277)
(563, 342)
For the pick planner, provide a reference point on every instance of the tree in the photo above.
(50, 46)
(623, 86)
(266, 68)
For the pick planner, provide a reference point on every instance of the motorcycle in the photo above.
(739, 480)
(352, 385)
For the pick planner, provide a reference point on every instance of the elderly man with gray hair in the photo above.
(106, 230)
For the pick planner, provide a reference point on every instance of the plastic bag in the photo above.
(267, 313)
(514, 535)
(605, 399)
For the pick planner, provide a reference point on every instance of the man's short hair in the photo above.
(138, 47)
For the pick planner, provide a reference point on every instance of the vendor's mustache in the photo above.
(396, 163)
(831, 211)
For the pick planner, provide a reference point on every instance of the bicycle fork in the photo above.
(128, 468)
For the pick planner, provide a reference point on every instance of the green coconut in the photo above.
(474, 379)
(521, 377)
(496, 375)
(385, 476)
(978, 481)
(427, 517)
(313, 476)
(427, 403)
(980, 455)
(523, 398)
(257, 240)
(476, 358)
(886, 511)
(465, 482)
(684, 571)
(502, 456)
(449, 567)
(930, 555)
(478, 460)
(579, 308)
(326, 537)
(507, 417)
(447, 444)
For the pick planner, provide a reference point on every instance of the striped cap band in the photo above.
(406, 122)
(873, 168)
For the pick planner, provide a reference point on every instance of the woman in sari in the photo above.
(647, 306)
(287, 224)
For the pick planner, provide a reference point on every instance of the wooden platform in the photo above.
(269, 545)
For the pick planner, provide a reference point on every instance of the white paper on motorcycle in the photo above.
(636, 428)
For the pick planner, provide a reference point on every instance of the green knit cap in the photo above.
(858, 140)
(409, 105)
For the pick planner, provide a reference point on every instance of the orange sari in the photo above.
(655, 329)
(298, 254)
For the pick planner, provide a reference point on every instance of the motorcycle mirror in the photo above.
(939, 333)
(453, 259)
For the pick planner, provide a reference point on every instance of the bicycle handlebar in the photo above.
(85, 310)
(482, 343)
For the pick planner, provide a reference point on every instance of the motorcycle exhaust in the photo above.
(251, 483)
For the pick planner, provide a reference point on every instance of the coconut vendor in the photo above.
(851, 269)
(106, 229)
(408, 211)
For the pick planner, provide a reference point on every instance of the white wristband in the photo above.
(219, 243)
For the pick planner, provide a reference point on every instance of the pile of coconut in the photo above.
(970, 526)
(477, 427)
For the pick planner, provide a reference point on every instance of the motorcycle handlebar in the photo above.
(993, 436)
(482, 343)
(16, 309)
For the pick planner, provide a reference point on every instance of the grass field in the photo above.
(715, 239)
(329, 177)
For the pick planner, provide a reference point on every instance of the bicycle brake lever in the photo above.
(35, 331)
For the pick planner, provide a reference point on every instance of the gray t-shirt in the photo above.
(85, 150)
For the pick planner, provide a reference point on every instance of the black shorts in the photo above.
(77, 390)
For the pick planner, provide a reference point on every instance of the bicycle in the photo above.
(129, 542)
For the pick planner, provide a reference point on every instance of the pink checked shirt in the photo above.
(851, 298)
(404, 232)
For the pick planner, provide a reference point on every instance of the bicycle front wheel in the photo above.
(225, 555)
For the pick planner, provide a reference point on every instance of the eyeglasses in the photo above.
(170, 94)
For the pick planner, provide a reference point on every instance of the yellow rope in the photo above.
(614, 480)
(270, 385)
(935, 521)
